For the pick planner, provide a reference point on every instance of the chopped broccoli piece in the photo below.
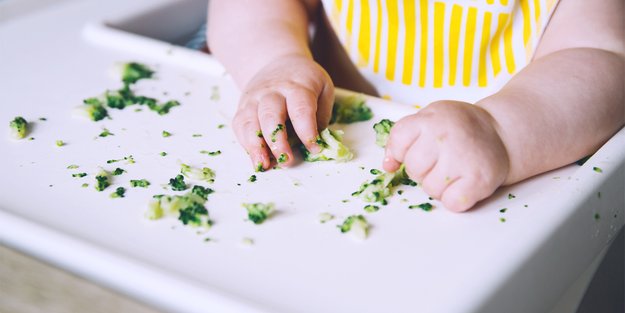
(43, 119)
(193, 214)
(258, 212)
(163, 108)
(259, 134)
(374, 171)
(85, 185)
(188, 208)
(196, 135)
(597, 169)
(79, 175)
(166, 134)
(105, 133)
(220, 126)
(279, 128)
(103, 180)
(381, 187)
(283, 158)
(502, 219)
(118, 171)
(259, 167)
(143, 183)
(426, 206)
(511, 196)
(503, 210)
(19, 127)
(252, 179)
(371, 208)
(177, 183)
(60, 143)
(332, 148)
(129, 159)
(201, 192)
(325, 217)
(93, 109)
(119, 192)
(72, 166)
(119, 99)
(205, 174)
(349, 110)
(163, 153)
(357, 225)
(133, 72)
(382, 131)
(211, 153)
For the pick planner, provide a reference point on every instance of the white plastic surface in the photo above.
(414, 261)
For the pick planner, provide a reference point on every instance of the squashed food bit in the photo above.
(143, 183)
(211, 153)
(371, 208)
(18, 127)
(381, 187)
(166, 134)
(274, 133)
(350, 109)
(132, 72)
(597, 169)
(177, 183)
(258, 212)
(79, 175)
(332, 148)
(382, 131)
(118, 171)
(252, 179)
(120, 192)
(357, 225)
(204, 174)
(188, 208)
(105, 133)
(102, 180)
(426, 206)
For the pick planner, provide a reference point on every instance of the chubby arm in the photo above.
(570, 99)
(264, 46)
(563, 106)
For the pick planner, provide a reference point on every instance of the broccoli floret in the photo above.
(105, 133)
(332, 148)
(381, 187)
(177, 183)
(356, 225)
(204, 174)
(164, 108)
(382, 131)
(349, 110)
(283, 158)
(103, 180)
(143, 183)
(119, 99)
(252, 179)
(426, 206)
(188, 208)
(118, 171)
(119, 192)
(19, 127)
(258, 212)
(279, 128)
(93, 109)
(133, 72)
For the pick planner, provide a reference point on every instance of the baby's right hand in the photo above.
(293, 87)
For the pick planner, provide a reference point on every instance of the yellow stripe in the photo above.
(537, 15)
(423, 7)
(504, 2)
(439, 49)
(339, 5)
(527, 29)
(364, 35)
(409, 17)
(507, 42)
(490, 1)
(454, 36)
(393, 21)
(468, 46)
(348, 23)
(494, 47)
(378, 38)
(481, 72)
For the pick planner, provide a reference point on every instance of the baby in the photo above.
(513, 88)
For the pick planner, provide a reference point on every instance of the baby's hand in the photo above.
(453, 149)
(294, 88)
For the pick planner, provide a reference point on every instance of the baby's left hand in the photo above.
(453, 150)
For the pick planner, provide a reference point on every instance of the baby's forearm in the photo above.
(246, 35)
(560, 108)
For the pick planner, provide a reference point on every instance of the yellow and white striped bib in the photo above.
(419, 51)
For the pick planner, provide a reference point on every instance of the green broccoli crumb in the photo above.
(133, 72)
(258, 212)
(119, 192)
(220, 126)
(103, 180)
(597, 169)
(374, 171)
(259, 167)
(503, 210)
(60, 143)
(205, 174)
(43, 119)
(279, 128)
(177, 183)
(118, 171)
(332, 148)
(252, 179)
(355, 224)
(79, 175)
(349, 110)
(371, 208)
(72, 166)
(19, 127)
(283, 158)
(597, 216)
(381, 187)
(85, 185)
(502, 219)
(94, 109)
(196, 135)
(259, 134)
(511, 196)
(382, 131)
(166, 134)
(426, 206)
(143, 183)
(211, 153)
(325, 217)
(163, 153)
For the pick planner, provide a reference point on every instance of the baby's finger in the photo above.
(272, 117)
(324, 108)
(462, 195)
(246, 129)
(402, 136)
(302, 109)
(420, 159)
(438, 179)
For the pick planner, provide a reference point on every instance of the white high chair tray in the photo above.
(413, 261)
